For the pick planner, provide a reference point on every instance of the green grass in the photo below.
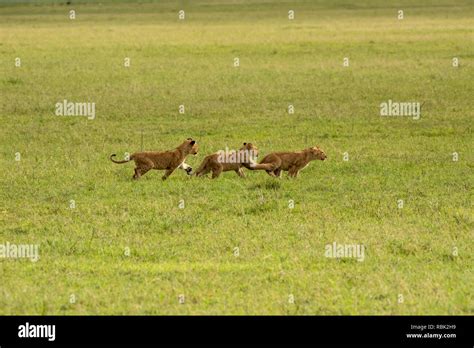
(190, 251)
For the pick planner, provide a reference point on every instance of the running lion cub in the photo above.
(166, 160)
(292, 162)
(224, 161)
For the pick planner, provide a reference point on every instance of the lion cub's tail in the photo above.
(119, 162)
(259, 166)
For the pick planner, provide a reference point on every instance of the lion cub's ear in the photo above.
(245, 144)
(193, 142)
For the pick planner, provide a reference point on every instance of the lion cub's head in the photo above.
(251, 152)
(317, 153)
(190, 146)
(250, 147)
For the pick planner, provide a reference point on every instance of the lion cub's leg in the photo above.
(275, 163)
(142, 171)
(168, 172)
(203, 172)
(204, 168)
(142, 167)
(293, 171)
(216, 171)
(240, 172)
(269, 172)
(275, 170)
(139, 171)
(136, 176)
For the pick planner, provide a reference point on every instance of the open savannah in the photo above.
(398, 188)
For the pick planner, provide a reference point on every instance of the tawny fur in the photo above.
(212, 164)
(165, 160)
(292, 162)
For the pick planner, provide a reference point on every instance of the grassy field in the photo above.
(418, 258)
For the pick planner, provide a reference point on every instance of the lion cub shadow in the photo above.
(269, 185)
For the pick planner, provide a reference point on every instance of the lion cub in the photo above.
(292, 162)
(166, 160)
(226, 161)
